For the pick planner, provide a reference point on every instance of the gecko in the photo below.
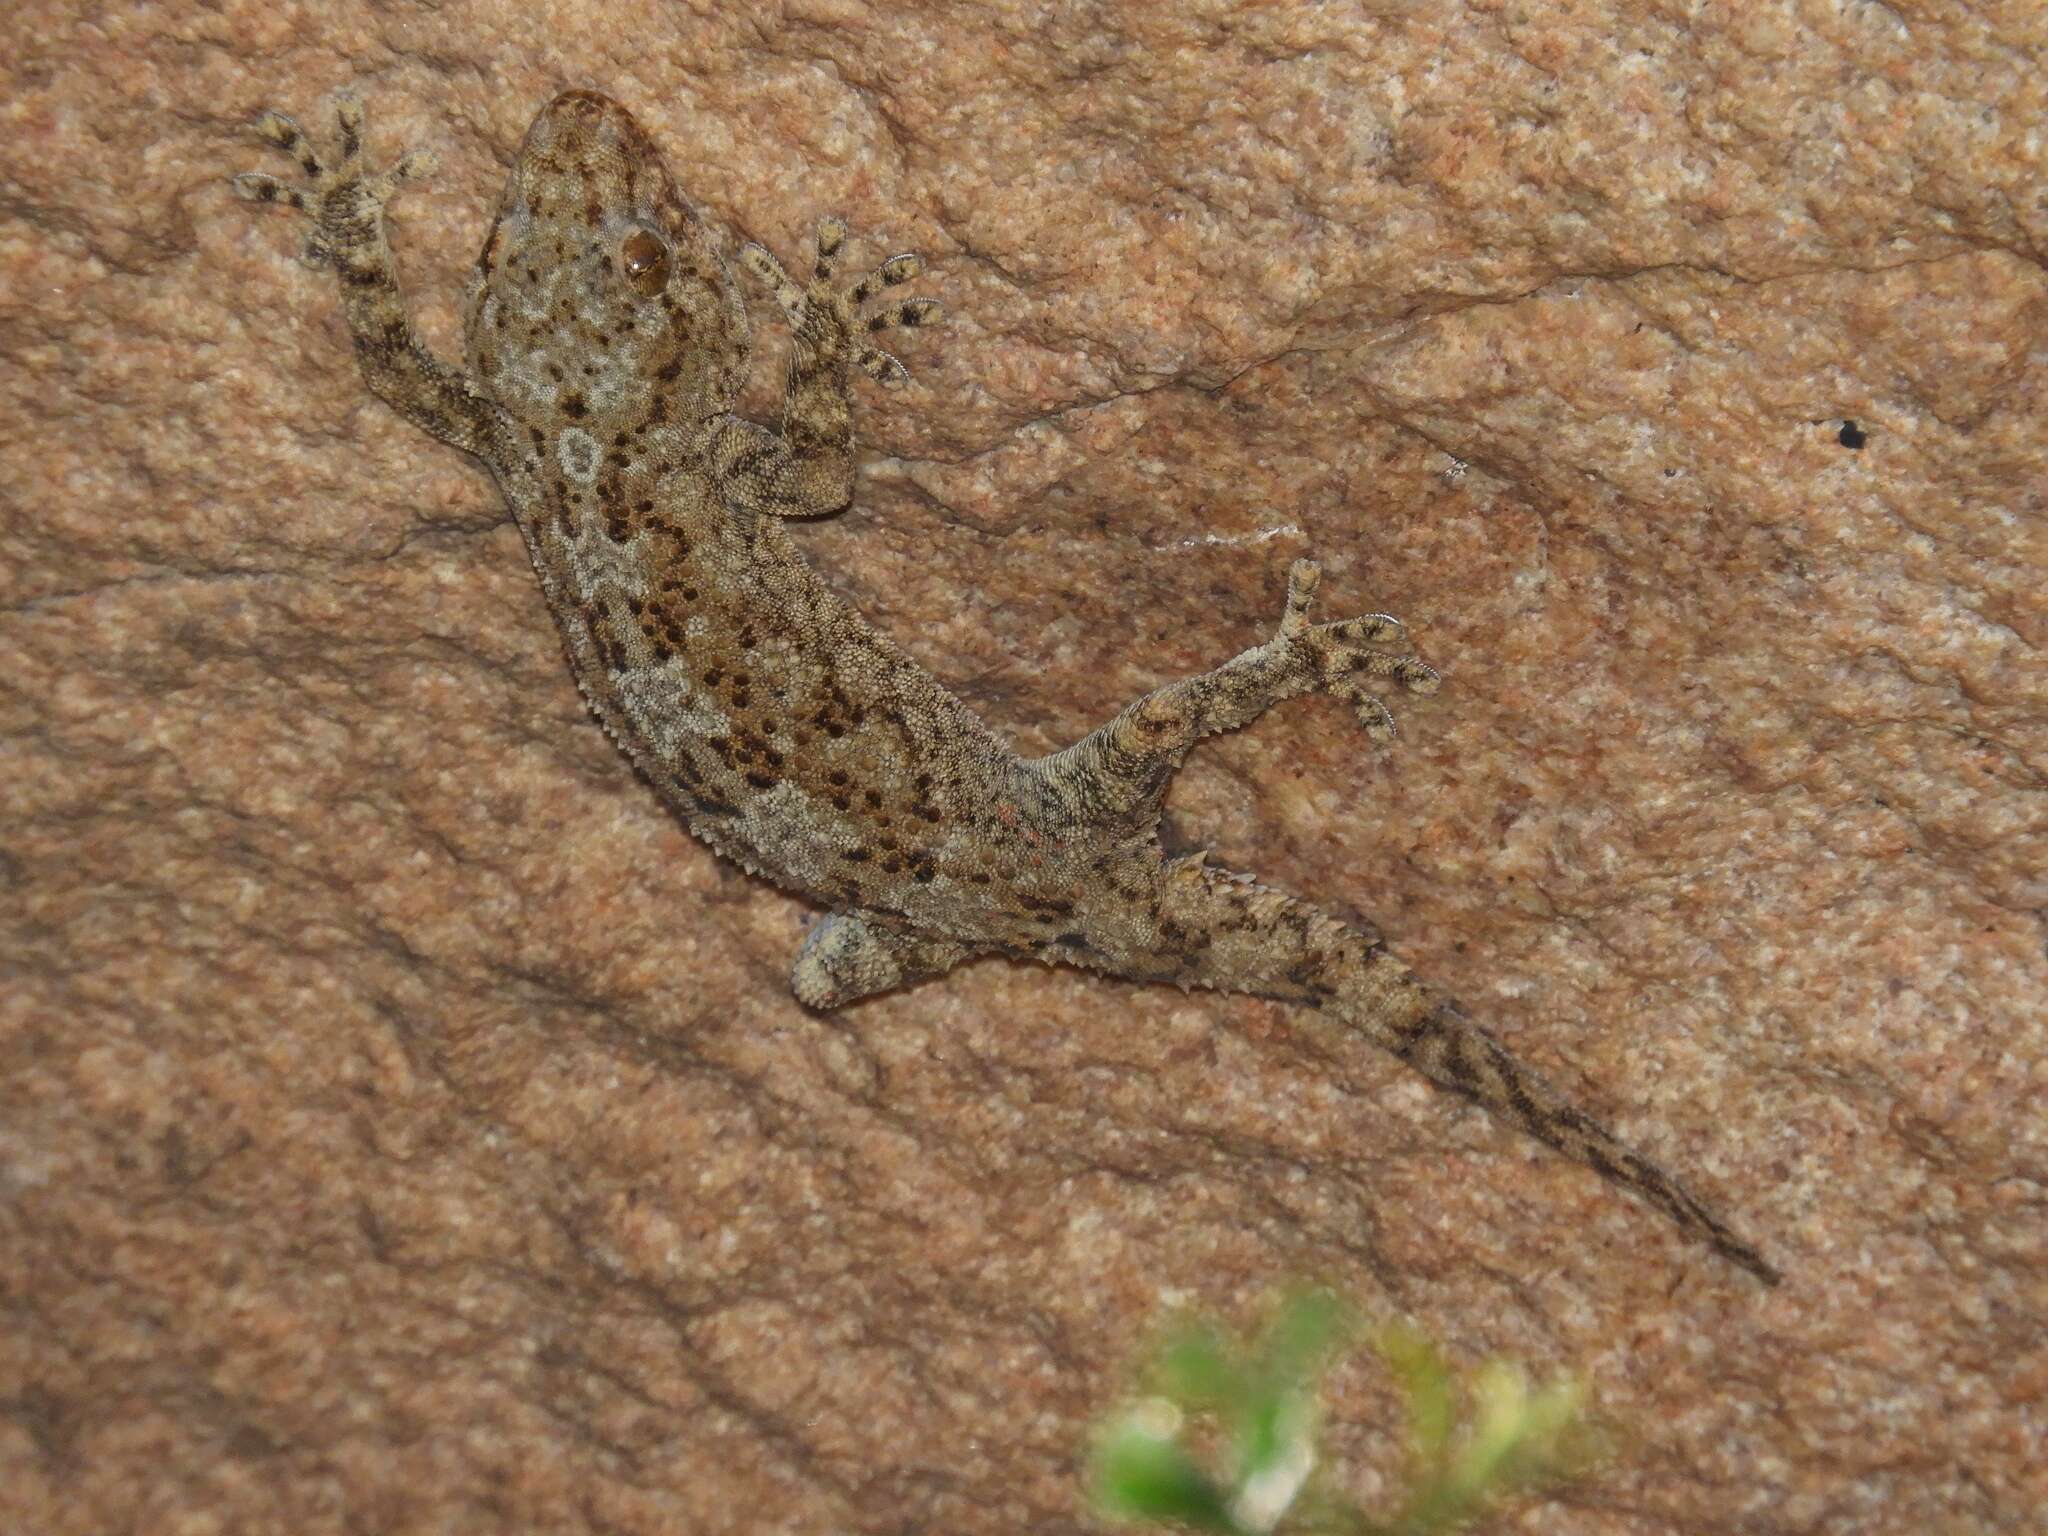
(606, 344)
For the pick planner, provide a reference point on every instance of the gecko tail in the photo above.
(1246, 937)
(1454, 1053)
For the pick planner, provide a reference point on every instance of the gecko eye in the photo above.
(643, 257)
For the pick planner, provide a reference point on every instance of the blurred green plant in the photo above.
(1252, 1406)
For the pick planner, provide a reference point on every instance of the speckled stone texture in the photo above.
(404, 1126)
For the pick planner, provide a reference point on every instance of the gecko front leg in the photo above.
(346, 206)
(805, 467)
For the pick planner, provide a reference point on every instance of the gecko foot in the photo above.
(826, 317)
(343, 202)
(1344, 655)
(848, 957)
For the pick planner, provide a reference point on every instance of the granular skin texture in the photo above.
(606, 346)
(406, 1124)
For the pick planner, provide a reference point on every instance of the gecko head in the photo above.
(600, 301)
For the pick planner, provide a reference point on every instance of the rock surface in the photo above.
(405, 1126)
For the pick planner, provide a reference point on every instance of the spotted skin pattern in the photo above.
(606, 345)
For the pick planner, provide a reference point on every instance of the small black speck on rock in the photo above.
(1851, 435)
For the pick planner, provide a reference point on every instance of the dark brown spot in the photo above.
(1518, 1093)
(1457, 1068)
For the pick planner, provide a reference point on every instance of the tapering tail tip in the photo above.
(1736, 1251)
(1451, 1050)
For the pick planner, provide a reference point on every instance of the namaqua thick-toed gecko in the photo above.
(607, 343)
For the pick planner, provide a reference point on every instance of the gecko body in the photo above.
(606, 345)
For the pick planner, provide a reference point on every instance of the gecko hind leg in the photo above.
(1347, 654)
(1121, 771)
(846, 958)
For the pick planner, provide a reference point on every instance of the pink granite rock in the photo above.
(405, 1126)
